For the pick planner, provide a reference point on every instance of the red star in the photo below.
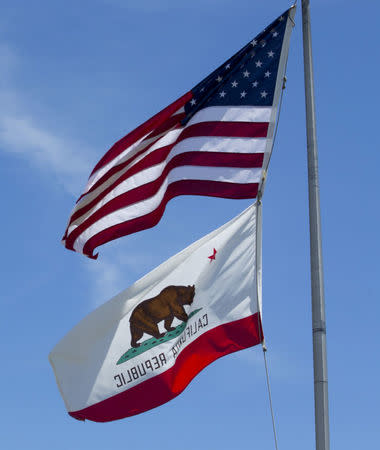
(212, 257)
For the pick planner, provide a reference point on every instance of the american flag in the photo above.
(215, 140)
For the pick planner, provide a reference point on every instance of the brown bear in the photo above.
(165, 306)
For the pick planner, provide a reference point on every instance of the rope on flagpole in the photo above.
(258, 249)
(258, 268)
(269, 394)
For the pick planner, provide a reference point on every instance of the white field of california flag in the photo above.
(144, 346)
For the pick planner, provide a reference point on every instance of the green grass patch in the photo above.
(153, 342)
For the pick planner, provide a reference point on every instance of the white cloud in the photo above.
(53, 155)
(59, 156)
(22, 135)
(112, 274)
(65, 159)
(107, 280)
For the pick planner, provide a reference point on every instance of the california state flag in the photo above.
(144, 346)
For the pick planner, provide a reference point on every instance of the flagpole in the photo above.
(317, 288)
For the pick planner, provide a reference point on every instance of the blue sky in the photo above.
(74, 78)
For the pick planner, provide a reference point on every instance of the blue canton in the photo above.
(247, 78)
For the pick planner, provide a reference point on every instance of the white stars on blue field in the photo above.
(247, 78)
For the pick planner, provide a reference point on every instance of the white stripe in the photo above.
(221, 145)
(210, 114)
(204, 144)
(232, 114)
(120, 159)
(211, 144)
(166, 139)
(133, 149)
(225, 174)
(127, 153)
(137, 180)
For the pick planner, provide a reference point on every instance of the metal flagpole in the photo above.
(317, 290)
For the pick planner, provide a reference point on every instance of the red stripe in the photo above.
(226, 129)
(202, 129)
(156, 391)
(212, 159)
(149, 189)
(182, 187)
(171, 124)
(167, 125)
(142, 130)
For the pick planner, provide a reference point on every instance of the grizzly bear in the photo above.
(165, 306)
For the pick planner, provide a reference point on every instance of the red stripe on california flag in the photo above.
(197, 158)
(214, 344)
(142, 130)
(182, 187)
